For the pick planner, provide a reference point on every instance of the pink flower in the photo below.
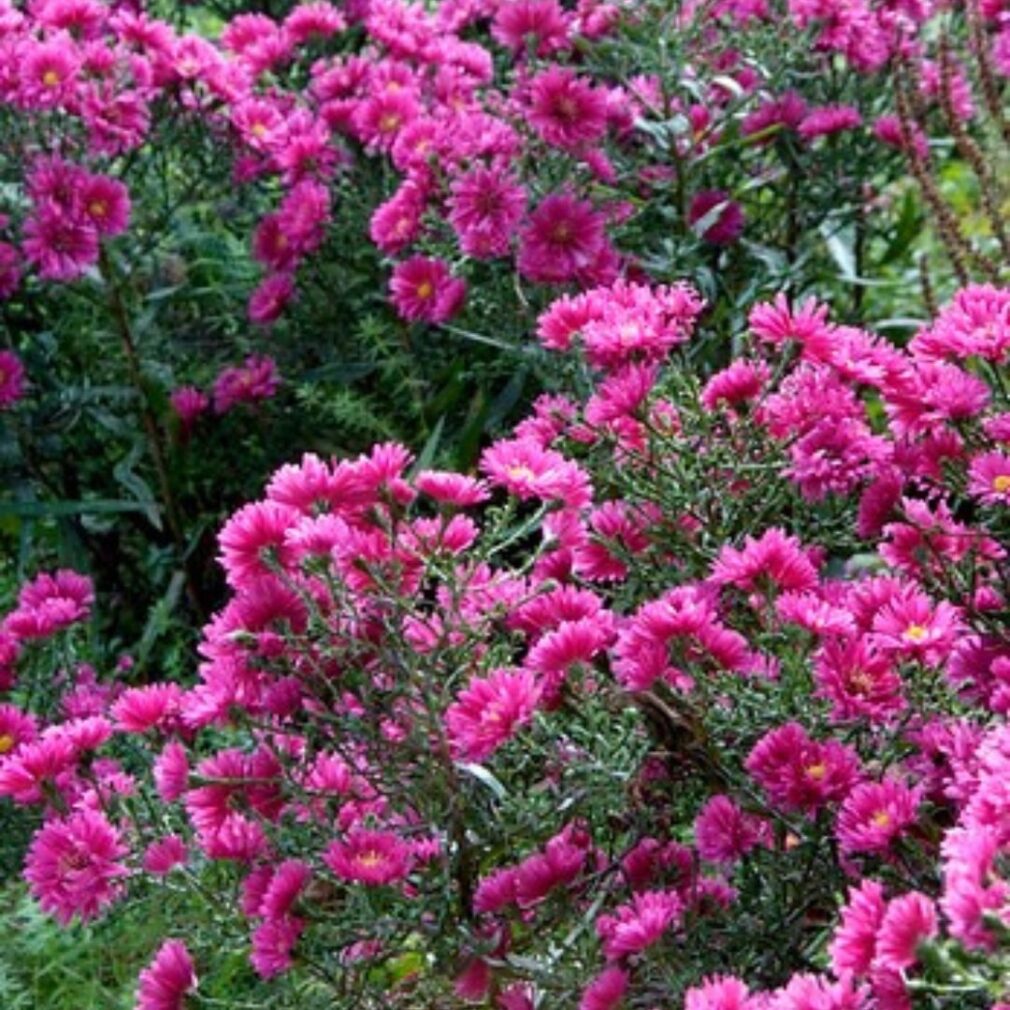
(723, 833)
(254, 541)
(720, 993)
(874, 814)
(565, 110)
(719, 219)
(139, 709)
(908, 921)
(60, 245)
(538, 24)
(989, 478)
(451, 488)
(741, 381)
(910, 624)
(272, 943)
(271, 297)
(74, 867)
(774, 560)
(815, 992)
(105, 203)
(828, 119)
(16, 728)
(799, 773)
(164, 983)
(488, 712)
(495, 891)
(162, 856)
(49, 603)
(528, 471)
(369, 857)
(606, 991)
(189, 403)
(485, 207)
(423, 289)
(564, 237)
(12, 379)
(171, 772)
(638, 925)
(854, 943)
(255, 380)
(859, 681)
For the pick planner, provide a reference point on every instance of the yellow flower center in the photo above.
(520, 472)
(370, 859)
(6, 743)
(1001, 484)
(98, 208)
(258, 130)
(916, 633)
(389, 122)
(881, 818)
(425, 289)
(817, 771)
(50, 78)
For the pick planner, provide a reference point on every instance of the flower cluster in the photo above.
(590, 687)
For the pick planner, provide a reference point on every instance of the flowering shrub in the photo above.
(692, 696)
(382, 198)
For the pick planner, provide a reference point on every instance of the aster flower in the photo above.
(828, 119)
(723, 833)
(638, 925)
(106, 204)
(188, 403)
(165, 982)
(563, 237)
(908, 920)
(718, 218)
(422, 289)
(74, 866)
(60, 245)
(989, 478)
(566, 110)
(720, 992)
(12, 379)
(774, 559)
(369, 857)
(853, 946)
(527, 471)
(606, 991)
(539, 24)
(876, 813)
(485, 207)
(799, 773)
(488, 712)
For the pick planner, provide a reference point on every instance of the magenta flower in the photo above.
(874, 814)
(369, 857)
(12, 379)
(165, 982)
(488, 712)
(74, 866)
(989, 478)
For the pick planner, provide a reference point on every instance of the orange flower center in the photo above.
(51, 78)
(389, 122)
(6, 743)
(817, 771)
(98, 208)
(1001, 484)
(425, 289)
(881, 818)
